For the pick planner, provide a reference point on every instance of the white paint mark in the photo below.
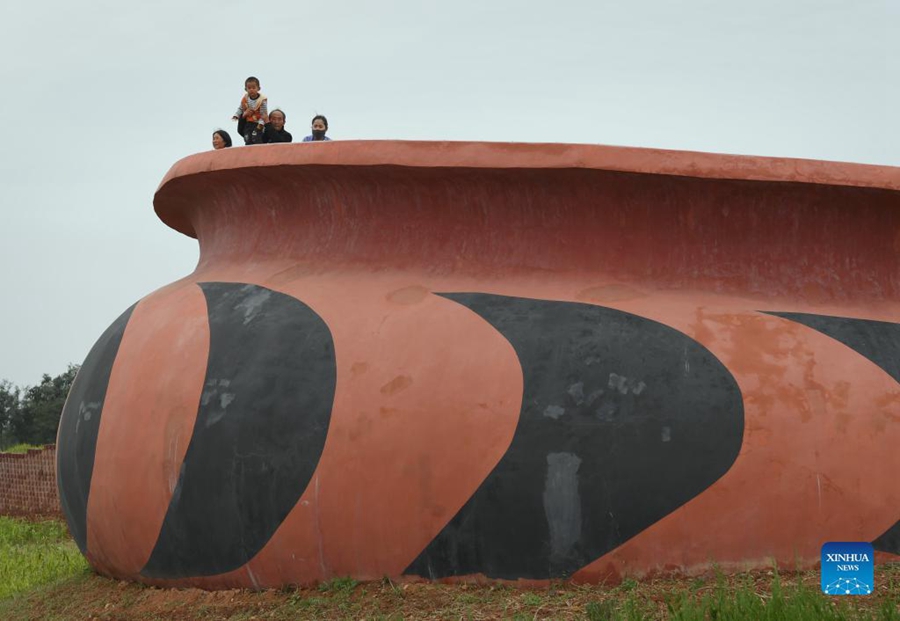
(252, 578)
(666, 434)
(176, 493)
(253, 303)
(86, 410)
(554, 411)
(206, 395)
(624, 384)
(211, 395)
(562, 503)
(576, 391)
(214, 417)
(171, 460)
(618, 382)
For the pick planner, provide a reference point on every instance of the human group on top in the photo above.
(257, 125)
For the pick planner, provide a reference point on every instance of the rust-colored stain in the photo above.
(399, 383)
(408, 295)
(359, 368)
(609, 293)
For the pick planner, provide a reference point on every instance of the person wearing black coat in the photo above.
(274, 131)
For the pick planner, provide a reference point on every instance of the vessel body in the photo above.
(496, 361)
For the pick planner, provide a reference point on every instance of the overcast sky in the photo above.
(102, 97)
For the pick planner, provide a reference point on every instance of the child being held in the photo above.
(253, 114)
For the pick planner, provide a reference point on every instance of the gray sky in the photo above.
(104, 96)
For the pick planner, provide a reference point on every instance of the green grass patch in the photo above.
(799, 602)
(36, 553)
(342, 586)
(20, 448)
(44, 577)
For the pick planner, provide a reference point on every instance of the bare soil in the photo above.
(95, 598)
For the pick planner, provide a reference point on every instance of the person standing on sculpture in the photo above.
(319, 127)
(275, 131)
(252, 113)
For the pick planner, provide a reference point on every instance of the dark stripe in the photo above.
(623, 420)
(879, 341)
(79, 426)
(260, 430)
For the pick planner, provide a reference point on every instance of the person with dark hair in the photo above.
(319, 127)
(252, 114)
(275, 131)
(221, 139)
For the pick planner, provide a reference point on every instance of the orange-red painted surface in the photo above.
(428, 394)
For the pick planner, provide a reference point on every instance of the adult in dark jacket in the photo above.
(275, 131)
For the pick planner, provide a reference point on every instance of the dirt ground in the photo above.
(96, 598)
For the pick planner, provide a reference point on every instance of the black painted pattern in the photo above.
(623, 420)
(879, 341)
(260, 431)
(79, 426)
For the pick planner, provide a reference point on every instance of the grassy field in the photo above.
(34, 554)
(43, 577)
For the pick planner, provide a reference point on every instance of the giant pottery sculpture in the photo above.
(502, 361)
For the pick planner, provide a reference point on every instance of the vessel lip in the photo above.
(528, 156)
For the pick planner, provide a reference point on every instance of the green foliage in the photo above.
(601, 611)
(532, 599)
(9, 411)
(20, 532)
(35, 553)
(740, 602)
(343, 585)
(31, 415)
(20, 448)
(727, 598)
(800, 603)
(628, 584)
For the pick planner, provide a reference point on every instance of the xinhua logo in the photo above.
(848, 568)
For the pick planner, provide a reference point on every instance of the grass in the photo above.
(34, 554)
(43, 577)
(343, 585)
(800, 602)
(20, 448)
(747, 597)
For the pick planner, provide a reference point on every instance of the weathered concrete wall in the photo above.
(28, 483)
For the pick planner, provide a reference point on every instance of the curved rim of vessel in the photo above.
(519, 156)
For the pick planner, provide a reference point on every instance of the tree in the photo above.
(40, 407)
(9, 410)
